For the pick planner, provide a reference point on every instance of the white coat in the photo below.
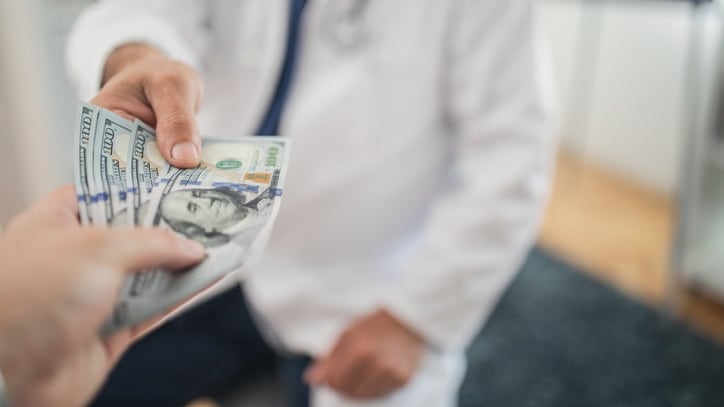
(420, 156)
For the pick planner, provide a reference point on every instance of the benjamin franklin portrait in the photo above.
(209, 216)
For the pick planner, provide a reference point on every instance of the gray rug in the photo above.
(558, 338)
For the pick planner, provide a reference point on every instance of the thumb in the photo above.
(138, 249)
(174, 103)
(316, 375)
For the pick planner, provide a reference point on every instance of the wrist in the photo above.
(401, 326)
(126, 55)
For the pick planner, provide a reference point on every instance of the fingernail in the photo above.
(185, 151)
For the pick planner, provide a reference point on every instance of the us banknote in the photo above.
(227, 203)
(110, 159)
(84, 132)
(144, 166)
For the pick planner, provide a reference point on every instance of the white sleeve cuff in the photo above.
(405, 312)
(96, 34)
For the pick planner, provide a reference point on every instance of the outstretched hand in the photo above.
(139, 82)
(373, 357)
(58, 284)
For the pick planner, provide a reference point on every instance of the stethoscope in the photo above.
(343, 24)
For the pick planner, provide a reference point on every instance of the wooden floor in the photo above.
(621, 234)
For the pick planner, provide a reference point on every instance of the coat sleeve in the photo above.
(480, 229)
(176, 27)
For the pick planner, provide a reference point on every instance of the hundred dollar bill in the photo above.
(144, 165)
(228, 204)
(85, 122)
(110, 152)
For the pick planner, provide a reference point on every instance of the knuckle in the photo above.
(102, 98)
(189, 73)
(347, 336)
(167, 79)
(399, 376)
(101, 248)
(178, 123)
(336, 383)
(364, 349)
(96, 239)
(108, 98)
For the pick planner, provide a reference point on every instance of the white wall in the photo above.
(27, 156)
(57, 22)
(624, 102)
(37, 105)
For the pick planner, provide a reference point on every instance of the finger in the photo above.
(138, 249)
(109, 254)
(129, 105)
(346, 375)
(174, 98)
(316, 375)
(62, 201)
(58, 208)
(377, 381)
(116, 345)
(343, 368)
(372, 386)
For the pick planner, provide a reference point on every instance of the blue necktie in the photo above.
(270, 125)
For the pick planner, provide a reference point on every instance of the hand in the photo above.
(140, 82)
(58, 284)
(372, 358)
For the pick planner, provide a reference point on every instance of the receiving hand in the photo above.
(58, 284)
(372, 358)
(140, 82)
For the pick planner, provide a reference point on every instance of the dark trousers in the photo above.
(203, 353)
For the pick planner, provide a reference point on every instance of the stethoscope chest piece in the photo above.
(343, 25)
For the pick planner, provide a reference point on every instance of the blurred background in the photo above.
(638, 202)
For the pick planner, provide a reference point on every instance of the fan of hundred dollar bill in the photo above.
(228, 203)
